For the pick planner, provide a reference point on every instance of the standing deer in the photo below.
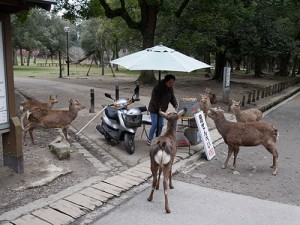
(52, 118)
(162, 154)
(29, 104)
(212, 96)
(247, 115)
(236, 134)
(204, 104)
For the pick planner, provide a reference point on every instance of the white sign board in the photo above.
(3, 98)
(205, 135)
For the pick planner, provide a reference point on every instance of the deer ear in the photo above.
(181, 112)
(162, 114)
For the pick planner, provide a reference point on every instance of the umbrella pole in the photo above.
(157, 124)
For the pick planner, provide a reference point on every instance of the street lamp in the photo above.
(67, 29)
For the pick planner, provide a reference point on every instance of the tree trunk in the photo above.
(284, 65)
(238, 64)
(258, 66)
(220, 64)
(60, 66)
(207, 59)
(21, 56)
(295, 63)
(28, 58)
(116, 52)
(101, 52)
(148, 26)
(15, 57)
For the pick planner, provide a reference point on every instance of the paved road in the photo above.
(253, 177)
(42, 88)
(270, 200)
(192, 204)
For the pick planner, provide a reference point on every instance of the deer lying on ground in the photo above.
(248, 115)
(204, 104)
(29, 104)
(162, 154)
(236, 134)
(52, 118)
(212, 96)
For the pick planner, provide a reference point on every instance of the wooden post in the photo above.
(12, 140)
(249, 97)
(257, 96)
(243, 101)
(92, 100)
(263, 93)
(12, 146)
(253, 95)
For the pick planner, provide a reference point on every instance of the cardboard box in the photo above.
(191, 104)
(193, 135)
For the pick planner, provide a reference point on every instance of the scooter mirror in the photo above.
(108, 95)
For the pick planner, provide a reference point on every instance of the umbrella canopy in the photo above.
(160, 58)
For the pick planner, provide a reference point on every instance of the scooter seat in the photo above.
(112, 113)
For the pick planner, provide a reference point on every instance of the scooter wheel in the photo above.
(129, 143)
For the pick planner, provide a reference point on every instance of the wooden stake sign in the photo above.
(205, 135)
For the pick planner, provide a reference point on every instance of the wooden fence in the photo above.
(256, 94)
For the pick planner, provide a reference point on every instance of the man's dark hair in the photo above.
(169, 77)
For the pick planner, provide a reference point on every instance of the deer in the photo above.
(236, 134)
(204, 104)
(212, 96)
(162, 154)
(29, 104)
(248, 115)
(52, 118)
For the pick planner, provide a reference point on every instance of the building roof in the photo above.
(14, 6)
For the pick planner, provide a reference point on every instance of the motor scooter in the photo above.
(120, 123)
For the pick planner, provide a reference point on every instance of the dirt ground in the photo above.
(186, 86)
(77, 169)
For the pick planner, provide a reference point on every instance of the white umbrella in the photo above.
(160, 58)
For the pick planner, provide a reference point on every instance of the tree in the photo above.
(139, 15)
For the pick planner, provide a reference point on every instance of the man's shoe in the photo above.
(148, 142)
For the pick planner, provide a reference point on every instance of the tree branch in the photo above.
(181, 8)
(122, 12)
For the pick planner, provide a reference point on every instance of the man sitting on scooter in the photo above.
(162, 95)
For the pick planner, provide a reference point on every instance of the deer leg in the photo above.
(157, 183)
(24, 137)
(235, 153)
(273, 151)
(170, 180)
(166, 172)
(29, 128)
(31, 134)
(154, 169)
(64, 130)
(228, 157)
